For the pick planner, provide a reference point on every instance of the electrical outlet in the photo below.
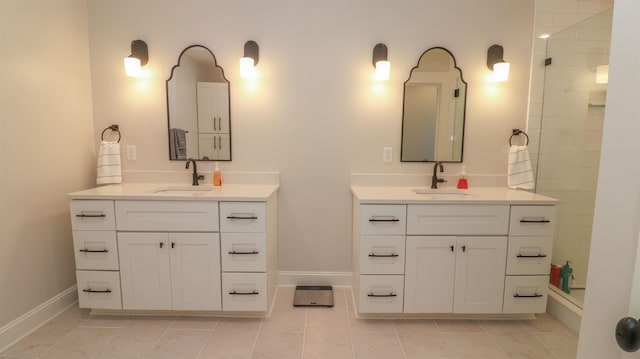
(387, 154)
(131, 152)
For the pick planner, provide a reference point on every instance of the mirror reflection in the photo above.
(434, 109)
(198, 108)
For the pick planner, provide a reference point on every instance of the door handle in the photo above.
(628, 334)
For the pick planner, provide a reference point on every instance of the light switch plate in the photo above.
(131, 152)
(387, 154)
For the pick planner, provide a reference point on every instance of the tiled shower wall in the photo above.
(568, 140)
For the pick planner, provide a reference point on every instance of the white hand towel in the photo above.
(519, 171)
(109, 167)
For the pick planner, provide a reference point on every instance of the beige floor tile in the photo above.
(284, 299)
(418, 326)
(232, 339)
(327, 317)
(286, 320)
(81, 343)
(179, 344)
(323, 343)
(426, 346)
(106, 321)
(459, 326)
(545, 323)
(275, 344)
(371, 326)
(195, 323)
(474, 345)
(376, 345)
(340, 297)
(49, 334)
(135, 339)
(522, 346)
(503, 327)
(563, 345)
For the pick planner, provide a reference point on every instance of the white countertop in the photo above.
(148, 191)
(477, 195)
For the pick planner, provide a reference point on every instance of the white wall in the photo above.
(47, 146)
(315, 114)
(616, 223)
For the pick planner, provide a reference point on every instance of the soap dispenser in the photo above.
(566, 274)
(462, 181)
(217, 176)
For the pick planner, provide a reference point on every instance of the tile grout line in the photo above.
(255, 340)
(208, 338)
(158, 340)
(108, 341)
(64, 336)
(348, 301)
(395, 330)
(304, 331)
(493, 340)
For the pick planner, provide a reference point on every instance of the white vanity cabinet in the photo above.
(485, 255)
(455, 258)
(182, 254)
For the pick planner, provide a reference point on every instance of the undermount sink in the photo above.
(442, 193)
(183, 190)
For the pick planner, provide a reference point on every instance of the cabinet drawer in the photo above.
(99, 289)
(175, 216)
(532, 220)
(525, 294)
(244, 292)
(96, 250)
(383, 219)
(529, 255)
(242, 217)
(243, 252)
(382, 255)
(92, 215)
(381, 293)
(457, 219)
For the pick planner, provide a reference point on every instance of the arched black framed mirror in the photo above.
(198, 108)
(433, 109)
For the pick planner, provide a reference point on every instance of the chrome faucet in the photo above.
(195, 175)
(434, 179)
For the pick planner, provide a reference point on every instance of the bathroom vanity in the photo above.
(451, 252)
(162, 247)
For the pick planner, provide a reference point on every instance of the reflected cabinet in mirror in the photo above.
(198, 108)
(434, 109)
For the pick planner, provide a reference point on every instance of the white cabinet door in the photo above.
(195, 271)
(480, 274)
(213, 107)
(144, 270)
(429, 278)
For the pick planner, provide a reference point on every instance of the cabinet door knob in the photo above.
(173, 244)
(464, 248)
(451, 248)
(161, 244)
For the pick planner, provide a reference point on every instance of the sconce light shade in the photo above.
(250, 59)
(602, 74)
(380, 62)
(496, 63)
(139, 57)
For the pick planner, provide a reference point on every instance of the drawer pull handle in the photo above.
(252, 252)
(94, 250)
(82, 215)
(244, 293)
(96, 291)
(528, 296)
(535, 256)
(464, 248)
(535, 221)
(382, 295)
(384, 255)
(384, 220)
(242, 217)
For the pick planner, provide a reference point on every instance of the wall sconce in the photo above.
(496, 63)
(380, 62)
(139, 57)
(602, 74)
(250, 59)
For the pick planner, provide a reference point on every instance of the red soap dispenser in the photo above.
(462, 181)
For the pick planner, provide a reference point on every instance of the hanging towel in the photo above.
(519, 171)
(178, 144)
(109, 168)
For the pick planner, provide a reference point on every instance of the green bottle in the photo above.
(566, 273)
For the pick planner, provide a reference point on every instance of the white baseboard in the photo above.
(564, 311)
(336, 279)
(35, 318)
